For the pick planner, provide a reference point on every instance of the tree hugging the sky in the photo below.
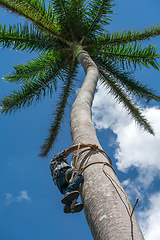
(67, 34)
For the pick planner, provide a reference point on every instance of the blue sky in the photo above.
(30, 206)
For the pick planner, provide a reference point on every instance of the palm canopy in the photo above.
(57, 32)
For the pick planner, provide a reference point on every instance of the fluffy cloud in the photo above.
(150, 219)
(135, 147)
(23, 195)
(106, 112)
(139, 148)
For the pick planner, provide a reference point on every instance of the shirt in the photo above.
(57, 163)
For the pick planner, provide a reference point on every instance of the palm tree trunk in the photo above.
(105, 205)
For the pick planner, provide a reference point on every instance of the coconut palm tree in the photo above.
(66, 35)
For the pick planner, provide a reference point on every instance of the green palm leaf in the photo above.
(131, 55)
(127, 80)
(122, 97)
(71, 16)
(54, 129)
(37, 68)
(29, 91)
(99, 14)
(30, 11)
(27, 37)
(61, 8)
(123, 37)
(34, 90)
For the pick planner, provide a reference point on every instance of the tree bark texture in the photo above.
(105, 205)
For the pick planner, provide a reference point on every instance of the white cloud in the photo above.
(135, 147)
(9, 199)
(138, 187)
(149, 219)
(106, 112)
(23, 195)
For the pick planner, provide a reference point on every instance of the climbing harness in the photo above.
(73, 163)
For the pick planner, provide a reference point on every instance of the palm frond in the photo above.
(37, 68)
(60, 110)
(122, 97)
(26, 37)
(77, 15)
(98, 13)
(129, 55)
(128, 81)
(70, 15)
(31, 91)
(67, 19)
(60, 9)
(30, 9)
(40, 6)
(122, 37)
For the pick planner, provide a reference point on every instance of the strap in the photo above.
(67, 174)
(73, 205)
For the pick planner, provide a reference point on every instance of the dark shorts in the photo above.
(61, 182)
(63, 186)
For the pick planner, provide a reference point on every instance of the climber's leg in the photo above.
(71, 191)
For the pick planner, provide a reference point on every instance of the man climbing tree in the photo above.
(68, 34)
(67, 179)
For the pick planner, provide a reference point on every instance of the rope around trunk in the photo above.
(73, 163)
